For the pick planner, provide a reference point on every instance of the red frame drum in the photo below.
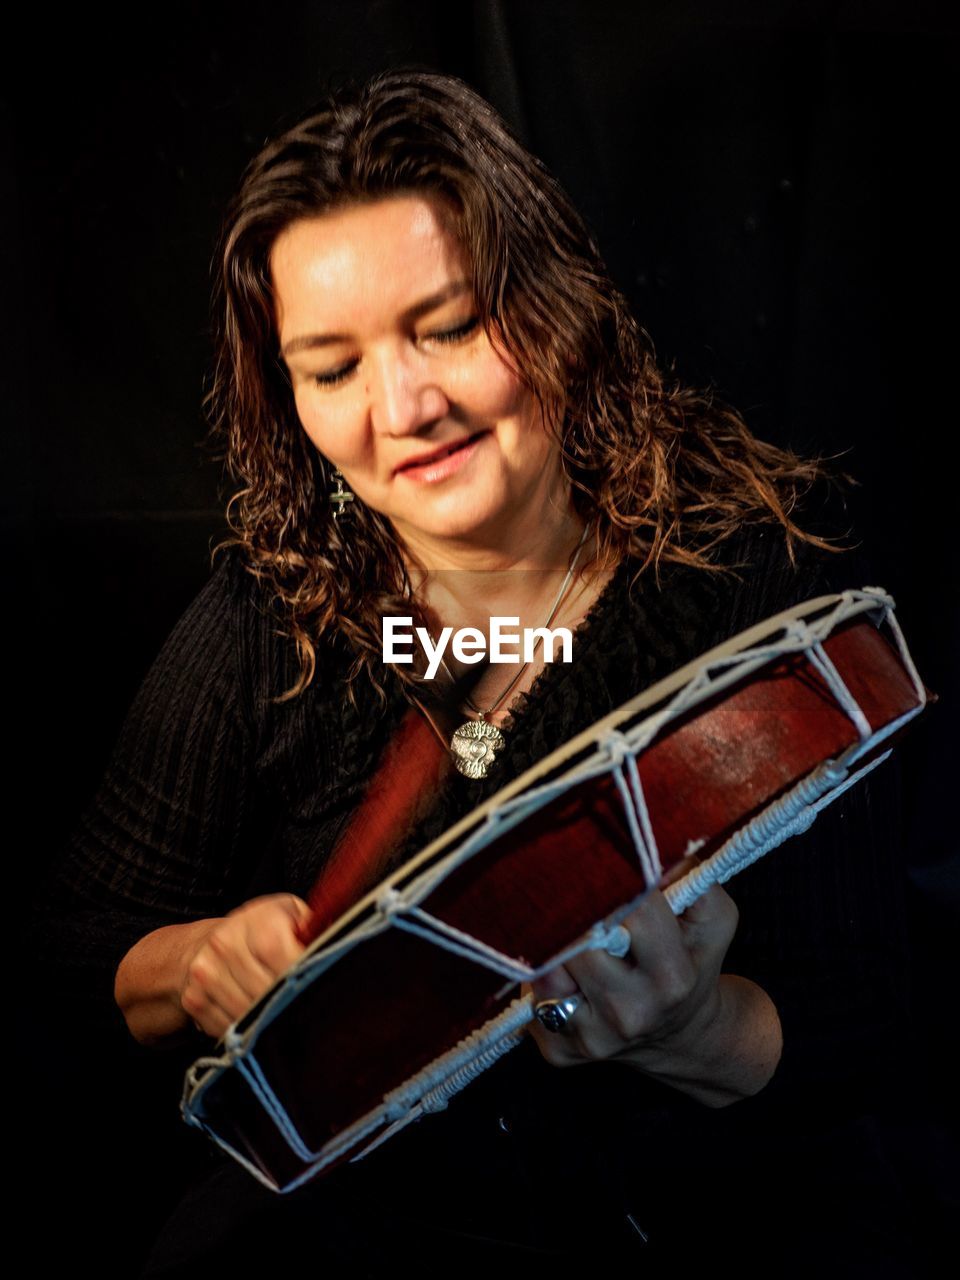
(414, 991)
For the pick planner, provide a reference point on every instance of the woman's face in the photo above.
(396, 382)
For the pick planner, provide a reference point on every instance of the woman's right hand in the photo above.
(239, 958)
(209, 972)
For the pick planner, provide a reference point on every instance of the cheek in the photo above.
(328, 429)
(521, 416)
(492, 390)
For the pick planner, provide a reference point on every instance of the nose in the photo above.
(404, 396)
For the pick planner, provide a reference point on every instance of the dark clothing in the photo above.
(214, 795)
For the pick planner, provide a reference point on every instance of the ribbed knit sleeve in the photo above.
(173, 826)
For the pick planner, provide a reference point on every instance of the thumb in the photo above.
(299, 909)
(301, 913)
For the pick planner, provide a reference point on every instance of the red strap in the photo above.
(398, 795)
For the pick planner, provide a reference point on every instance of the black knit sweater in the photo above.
(214, 794)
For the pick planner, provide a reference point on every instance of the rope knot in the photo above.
(616, 746)
(799, 633)
(232, 1040)
(391, 902)
(613, 939)
(834, 772)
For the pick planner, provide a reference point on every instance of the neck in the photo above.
(504, 574)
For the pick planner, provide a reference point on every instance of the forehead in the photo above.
(371, 256)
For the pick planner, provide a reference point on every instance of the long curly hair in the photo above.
(657, 470)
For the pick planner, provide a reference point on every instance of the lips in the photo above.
(436, 454)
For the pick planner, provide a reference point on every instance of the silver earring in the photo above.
(340, 495)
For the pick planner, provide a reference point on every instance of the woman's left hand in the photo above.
(665, 1008)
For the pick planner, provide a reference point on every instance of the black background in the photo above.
(769, 183)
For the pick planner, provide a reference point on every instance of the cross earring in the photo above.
(340, 495)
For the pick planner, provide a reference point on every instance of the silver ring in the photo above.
(555, 1015)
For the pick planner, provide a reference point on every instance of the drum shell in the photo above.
(396, 1002)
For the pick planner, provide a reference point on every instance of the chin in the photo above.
(455, 519)
(460, 529)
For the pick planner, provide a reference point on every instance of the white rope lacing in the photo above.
(619, 752)
(404, 915)
(615, 752)
(820, 661)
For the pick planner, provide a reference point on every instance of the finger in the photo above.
(656, 944)
(300, 912)
(653, 928)
(605, 988)
(226, 972)
(559, 1049)
(710, 921)
(618, 999)
(210, 984)
(215, 1023)
(586, 1037)
(614, 989)
(599, 975)
(303, 915)
(275, 953)
(243, 970)
(558, 982)
(634, 997)
(592, 963)
(272, 938)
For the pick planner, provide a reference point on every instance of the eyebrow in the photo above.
(312, 340)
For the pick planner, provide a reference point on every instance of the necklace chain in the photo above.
(476, 742)
(553, 613)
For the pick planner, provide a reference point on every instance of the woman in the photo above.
(437, 406)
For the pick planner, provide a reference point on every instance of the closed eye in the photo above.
(456, 334)
(444, 336)
(336, 376)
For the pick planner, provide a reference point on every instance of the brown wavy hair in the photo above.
(657, 470)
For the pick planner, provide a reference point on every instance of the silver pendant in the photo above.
(474, 746)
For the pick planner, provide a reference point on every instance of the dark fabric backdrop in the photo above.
(769, 184)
